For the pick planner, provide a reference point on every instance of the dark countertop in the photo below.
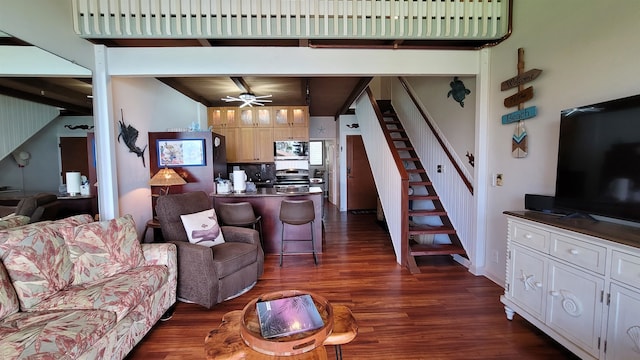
(621, 234)
(269, 192)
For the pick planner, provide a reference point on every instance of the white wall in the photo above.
(149, 106)
(456, 123)
(588, 52)
(42, 174)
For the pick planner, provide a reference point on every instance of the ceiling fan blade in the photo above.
(263, 96)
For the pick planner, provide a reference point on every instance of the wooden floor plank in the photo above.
(445, 312)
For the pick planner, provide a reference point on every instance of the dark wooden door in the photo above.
(361, 188)
(74, 156)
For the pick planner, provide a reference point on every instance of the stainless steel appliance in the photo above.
(291, 150)
(292, 180)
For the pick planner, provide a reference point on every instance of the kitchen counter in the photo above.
(261, 192)
(266, 203)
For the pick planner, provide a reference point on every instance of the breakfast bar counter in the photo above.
(266, 203)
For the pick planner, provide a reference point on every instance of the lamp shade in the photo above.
(166, 177)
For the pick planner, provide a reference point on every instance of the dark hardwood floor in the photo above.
(443, 313)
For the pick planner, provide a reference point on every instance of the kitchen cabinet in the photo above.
(576, 282)
(291, 133)
(291, 116)
(255, 144)
(222, 117)
(272, 123)
(255, 117)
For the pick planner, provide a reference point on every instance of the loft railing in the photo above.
(311, 19)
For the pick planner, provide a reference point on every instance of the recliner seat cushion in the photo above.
(233, 256)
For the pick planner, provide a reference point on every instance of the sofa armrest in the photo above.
(240, 234)
(163, 254)
(197, 276)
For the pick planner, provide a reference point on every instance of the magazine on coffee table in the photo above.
(288, 316)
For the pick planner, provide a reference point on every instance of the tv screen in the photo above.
(599, 159)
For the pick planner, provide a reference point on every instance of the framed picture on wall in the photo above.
(181, 152)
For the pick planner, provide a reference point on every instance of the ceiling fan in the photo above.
(248, 99)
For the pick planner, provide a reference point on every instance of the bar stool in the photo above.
(297, 212)
(240, 214)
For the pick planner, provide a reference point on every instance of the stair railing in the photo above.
(391, 178)
(454, 188)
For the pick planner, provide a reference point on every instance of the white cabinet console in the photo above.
(576, 280)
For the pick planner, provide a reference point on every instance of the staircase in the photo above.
(429, 225)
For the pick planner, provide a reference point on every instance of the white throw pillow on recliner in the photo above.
(202, 228)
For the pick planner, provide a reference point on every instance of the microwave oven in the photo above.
(291, 150)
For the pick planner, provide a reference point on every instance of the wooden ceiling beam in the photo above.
(241, 84)
(357, 90)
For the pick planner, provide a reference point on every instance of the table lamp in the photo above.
(166, 177)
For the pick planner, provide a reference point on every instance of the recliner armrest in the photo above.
(197, 277)
(240, 234)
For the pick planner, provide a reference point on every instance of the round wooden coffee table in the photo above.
(226, 342)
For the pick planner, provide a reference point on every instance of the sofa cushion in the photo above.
(103, 248)
(8, 297)
(59, 334)
(119, 293)
(13, 221)
(233, 256)
(202, 228)
(37, 261)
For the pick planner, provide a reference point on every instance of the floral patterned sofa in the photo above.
(78, 289)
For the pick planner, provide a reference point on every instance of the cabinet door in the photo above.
(220, 117)
(299, 133)
(299, 116)
(231, 141)
(281, 117)
(246, 117)
(263, 117)
(264, 144)
(527, 280)
(574, 308)
(255, 145)
(623, 332)
(245, 146)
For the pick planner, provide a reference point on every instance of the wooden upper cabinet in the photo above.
(220, 117)
(288, 116)
(250, 132)
(255, 117)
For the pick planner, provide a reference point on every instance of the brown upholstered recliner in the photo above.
(209, 275)
(39, 207)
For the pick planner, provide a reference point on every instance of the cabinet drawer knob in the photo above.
(555, 293)
(573, 252)
(527, 236)
(538, 284)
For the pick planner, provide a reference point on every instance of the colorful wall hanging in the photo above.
(519, 146)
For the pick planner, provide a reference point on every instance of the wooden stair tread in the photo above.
(416, 170)
(420, 183)
(430, 229)
(435, 249)
(430, 212)
(424, 197)
(405, 149)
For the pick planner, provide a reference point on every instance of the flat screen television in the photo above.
(599, 160)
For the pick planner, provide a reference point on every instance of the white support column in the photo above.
(483, 85)
(106, 166)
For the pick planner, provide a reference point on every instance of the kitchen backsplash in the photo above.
(255, 172)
